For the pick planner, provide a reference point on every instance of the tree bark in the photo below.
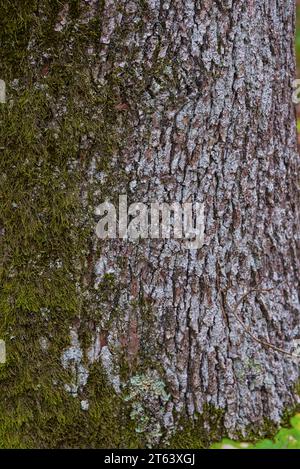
(162, 101)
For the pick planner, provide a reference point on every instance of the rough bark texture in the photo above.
(124, 344)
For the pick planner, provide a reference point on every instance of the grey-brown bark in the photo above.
(216, 126)
(202, 111)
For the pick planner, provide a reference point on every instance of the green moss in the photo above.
(200, 432)
(52, 107)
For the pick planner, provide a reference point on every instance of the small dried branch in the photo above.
(264, 343)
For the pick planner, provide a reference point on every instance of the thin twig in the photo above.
(259, 341)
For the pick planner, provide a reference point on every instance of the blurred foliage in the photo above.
(286, 438)
(298, 35)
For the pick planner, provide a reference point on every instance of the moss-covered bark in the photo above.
(103, 94)
(52, 108)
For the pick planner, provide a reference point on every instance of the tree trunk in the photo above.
(121, 343)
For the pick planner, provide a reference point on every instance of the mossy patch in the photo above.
(52, 119)
(200, 432)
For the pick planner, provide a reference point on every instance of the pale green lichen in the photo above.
(148, 397)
